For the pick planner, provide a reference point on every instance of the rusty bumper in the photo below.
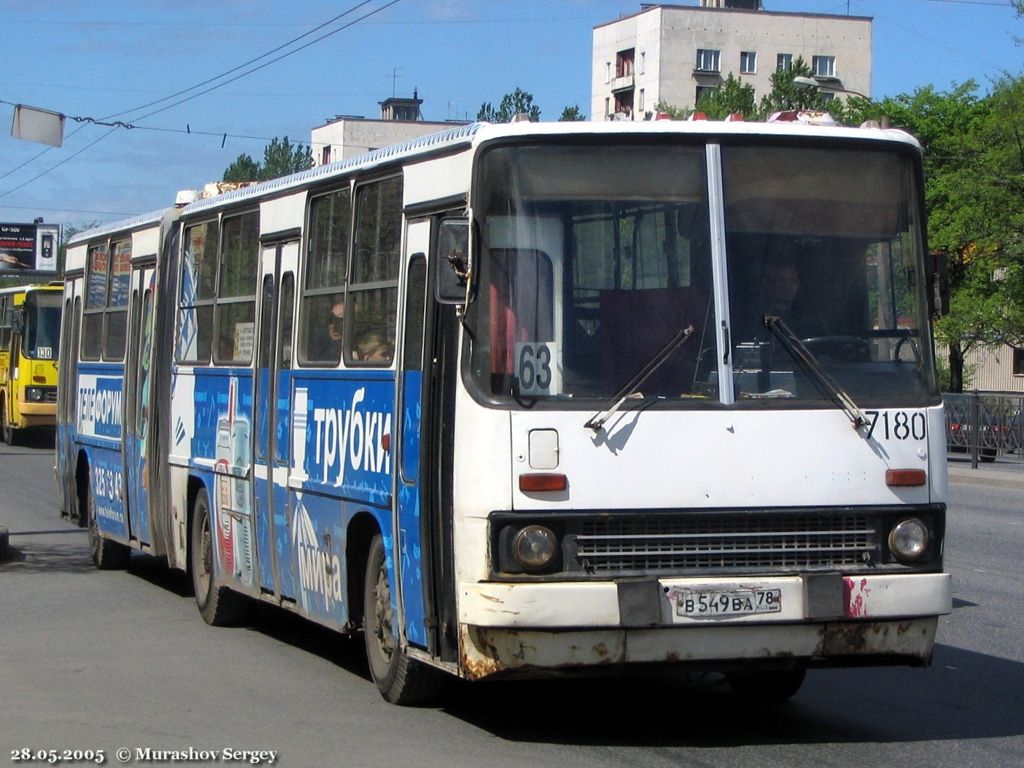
(490, 651)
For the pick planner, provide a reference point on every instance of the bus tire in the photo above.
(7, 431)
(107, 555)
(767, 687)
(218, 605)
(399, 679)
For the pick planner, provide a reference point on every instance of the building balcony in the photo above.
(623, 83)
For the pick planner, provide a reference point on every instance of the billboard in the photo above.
(28, 248)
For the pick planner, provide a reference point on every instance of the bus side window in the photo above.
(236, 289)
(198, 284)
(322, 304)
(373, 288)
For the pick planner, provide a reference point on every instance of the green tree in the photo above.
(664, 108)
(786, 94)
(572, 115)
(949, 127)
(732, 96)
(735, 96)
(512, 104)
(974, 170)
(280, 158)
(243, 169)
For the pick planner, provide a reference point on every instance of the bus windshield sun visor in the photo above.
(633, 385)
(809, 363)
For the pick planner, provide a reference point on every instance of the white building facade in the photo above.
(672, 53)
(346, 136)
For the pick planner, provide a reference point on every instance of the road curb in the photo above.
(989, 478)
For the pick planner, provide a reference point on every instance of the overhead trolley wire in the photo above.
(214, 87)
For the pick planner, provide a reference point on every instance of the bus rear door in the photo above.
(272, 456)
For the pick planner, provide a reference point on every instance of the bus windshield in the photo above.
(42, 325)
(829, 242)
(591, 258)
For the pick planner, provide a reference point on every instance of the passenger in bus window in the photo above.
(328, 345)
(226, 347)
(372, 347)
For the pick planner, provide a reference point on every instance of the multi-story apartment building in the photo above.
(672, 53)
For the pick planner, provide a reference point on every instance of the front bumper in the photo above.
(825, 618)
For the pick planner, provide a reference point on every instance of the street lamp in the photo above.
(806, 83)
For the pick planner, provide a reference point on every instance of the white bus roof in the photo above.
(475, 134)
(479, 133)
(122, 225)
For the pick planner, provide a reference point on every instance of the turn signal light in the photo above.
(535, 482)
(902, 478)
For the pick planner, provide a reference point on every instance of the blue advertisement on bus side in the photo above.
(342, 437)
(99, 405)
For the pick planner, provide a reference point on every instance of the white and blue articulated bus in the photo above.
(528, 398)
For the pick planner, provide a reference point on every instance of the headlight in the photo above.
(908, 539)
(534, 547)
(34, 394)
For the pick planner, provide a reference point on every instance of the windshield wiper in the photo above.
(809, 363)
(598, 419)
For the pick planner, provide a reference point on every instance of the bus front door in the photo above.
(423, 486)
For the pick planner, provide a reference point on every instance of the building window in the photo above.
(325, 156)
(640, 102)
(607, 71)
(607, 108)
(823, 66)
(784, 61)
(703, 90)
(643, 62)
(708, 60)
(624, 63)
(1018, 362)
(748, 62)
(624, 104)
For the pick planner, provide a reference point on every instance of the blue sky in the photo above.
(106, 57)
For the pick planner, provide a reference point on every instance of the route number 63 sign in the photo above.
(537, 368)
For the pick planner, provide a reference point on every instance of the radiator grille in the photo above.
(662, 543)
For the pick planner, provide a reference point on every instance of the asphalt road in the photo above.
(109, 660)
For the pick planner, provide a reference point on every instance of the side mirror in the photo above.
(452, 259)
(17, 321)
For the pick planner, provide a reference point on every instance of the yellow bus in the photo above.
(29, 338)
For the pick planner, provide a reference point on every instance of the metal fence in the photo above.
(985, 425)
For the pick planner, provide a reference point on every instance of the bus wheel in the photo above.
(401, 680)
(106, 554)
(218, 605)
(770, 687)
(7, 431)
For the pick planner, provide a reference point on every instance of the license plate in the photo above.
(702, 604)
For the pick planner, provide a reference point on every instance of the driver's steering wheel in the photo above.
(846, 349)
